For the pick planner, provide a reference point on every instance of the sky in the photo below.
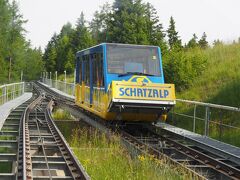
(218, 18)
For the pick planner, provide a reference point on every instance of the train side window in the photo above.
(100, 70)
(95, 70)
(86, 66)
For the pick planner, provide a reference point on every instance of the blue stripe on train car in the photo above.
(95, 49)
(105, 66)
(161, 65)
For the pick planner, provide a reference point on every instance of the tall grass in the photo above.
(220, 82)
(61, 114)
(69, 78)
(107, 159)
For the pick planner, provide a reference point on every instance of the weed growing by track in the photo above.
(61, 114)
(107, 159)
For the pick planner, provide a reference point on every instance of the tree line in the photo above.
(16, 53)
(132, 22)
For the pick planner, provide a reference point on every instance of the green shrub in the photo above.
(182, 67)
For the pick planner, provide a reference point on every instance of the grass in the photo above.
(4, 137)
(107, 159)
(61, 114)
(7, 150)
(219, 84)
(5, 167)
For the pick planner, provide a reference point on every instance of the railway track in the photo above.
(39, 151)
(202, 163)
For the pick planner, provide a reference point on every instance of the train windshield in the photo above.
(130, 59)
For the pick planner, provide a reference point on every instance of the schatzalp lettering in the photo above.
(143, 92)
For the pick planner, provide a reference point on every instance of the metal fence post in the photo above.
(23, 88)
(5, 94)
(50, 79)
(173, 120)
(220, 126)
(14, 88)
(1, 96)
(194, 118)
(56, 80)
(43, 79)
(65, 80)
(206, 132)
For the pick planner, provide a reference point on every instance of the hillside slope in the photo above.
(220, 81)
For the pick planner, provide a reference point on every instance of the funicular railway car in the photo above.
(123, 82)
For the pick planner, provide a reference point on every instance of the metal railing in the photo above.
(11, 91)
(68, 88)
(217, 121)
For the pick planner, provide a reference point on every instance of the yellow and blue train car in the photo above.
(123, 82)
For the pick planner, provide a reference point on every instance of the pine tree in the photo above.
(16, 54)
(217, 42)
(81, 38)
(50, 54)
(34, 64)
(139, 22)
(70, 63)
(174, 40)
(15, 41)
(193, 42)
(99, 24)
(155, 29)
(203, 41)
(60, 52)
(121, 24)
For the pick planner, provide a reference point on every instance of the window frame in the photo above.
(137, 47)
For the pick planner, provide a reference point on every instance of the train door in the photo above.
(83, 79)
(86, 80)
(97, 80)
(91, 79)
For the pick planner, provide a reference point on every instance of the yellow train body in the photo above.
(132, 93)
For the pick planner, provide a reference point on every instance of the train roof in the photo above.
(121, 44)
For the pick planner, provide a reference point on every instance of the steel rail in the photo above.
(18, 149)
(27, 137)
(42, 145)
(217, 165)
(25, 167)
(145, 148)
(75, 168)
